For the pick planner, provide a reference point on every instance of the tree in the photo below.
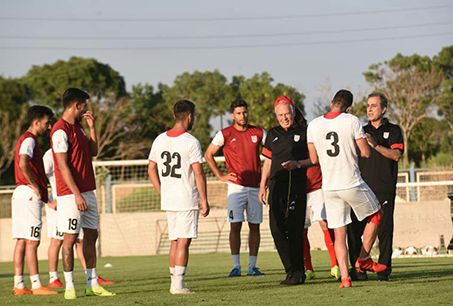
(260, 94)
(14, 97)
(210, 93)
(48, 82)
(444, 61)
(412, 84)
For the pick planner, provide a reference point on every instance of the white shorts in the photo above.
(242, 198)
(339, 203)
(316, 209)
(182, 224)
(26, 214)
(52, 225)
(71, 220)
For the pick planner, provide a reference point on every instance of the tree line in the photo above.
(420, 90)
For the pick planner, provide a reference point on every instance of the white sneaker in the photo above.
(181, 291)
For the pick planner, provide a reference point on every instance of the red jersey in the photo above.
(36, 166)
(314, 178)
(71, 139)
(241, 150)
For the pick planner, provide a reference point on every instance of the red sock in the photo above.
(307, 257)
(329, 238)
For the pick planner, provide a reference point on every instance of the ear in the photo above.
(347, 109)
(384, 110)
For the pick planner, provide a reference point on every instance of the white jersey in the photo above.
(49, 169)
(174, 155)
(334, 136)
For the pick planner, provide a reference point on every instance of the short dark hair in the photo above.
(238, 103)
(343, 98)
(382, 98)
(182, 108)
(74, 95)
(37, 112)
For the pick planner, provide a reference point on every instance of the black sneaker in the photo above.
(358, 275)
(297, 278)
(383, 277)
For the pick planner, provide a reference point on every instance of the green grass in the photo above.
(145, 281)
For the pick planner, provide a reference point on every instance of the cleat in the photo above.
(102, 281)
(369, 265)
(98, 291)
(254, 272)
(56, 284)
(235, 272)
(309, 274)
(335, 272)
(70, 294)
(345, 283)
(24, 291)
(43, 291)
(181, 291)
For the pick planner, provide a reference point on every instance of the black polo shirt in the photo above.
(281, 146)
(379, 172)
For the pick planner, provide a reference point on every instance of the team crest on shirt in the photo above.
(296, 138)
(254, 138)
(386, 135)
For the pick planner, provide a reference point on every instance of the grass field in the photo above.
(145, 281)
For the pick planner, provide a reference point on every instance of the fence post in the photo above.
(108, 192)
(450, 196)
(413, 190)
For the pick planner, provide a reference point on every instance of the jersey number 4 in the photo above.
(333, 137)
(172, 163)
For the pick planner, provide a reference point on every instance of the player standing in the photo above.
(176, 173)
(27, 199)
(333, 140)
(56, 237)
(241, 144)
(76, 188)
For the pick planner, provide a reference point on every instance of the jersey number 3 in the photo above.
(170, 170)
(332, 136)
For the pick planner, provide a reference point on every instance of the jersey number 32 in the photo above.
(172, 163)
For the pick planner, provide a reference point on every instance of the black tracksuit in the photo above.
(380, 173)
(288, 196)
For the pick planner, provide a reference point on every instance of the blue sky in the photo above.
(315, 46)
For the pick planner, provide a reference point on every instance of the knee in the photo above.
(254, 228)
(32, 244)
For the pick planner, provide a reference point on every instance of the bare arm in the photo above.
(93, 139)
(364, 148)
(62, 160)
(153, 175)
(209, 157)
(264, 183)
(314, 159)
(393, 154)
(24, 167)
(200, 180)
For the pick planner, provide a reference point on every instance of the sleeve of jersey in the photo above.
(48, 162)
(60, 142)
(195, 155)
(218, 139)
(263, 141)
(358, 129)
(27, 147)
(267, 151)
(396, 140)
(152, 152)
(309, 133)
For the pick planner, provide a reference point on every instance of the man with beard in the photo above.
(241, 144)
(76, 188)
(176, 173)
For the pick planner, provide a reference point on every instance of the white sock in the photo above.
(252, 262)
(92, 278)
(236, 260)
(172, 276)
(19, 282)
(35, 282)
(180, 271)
(69, 279)
(53, 276)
